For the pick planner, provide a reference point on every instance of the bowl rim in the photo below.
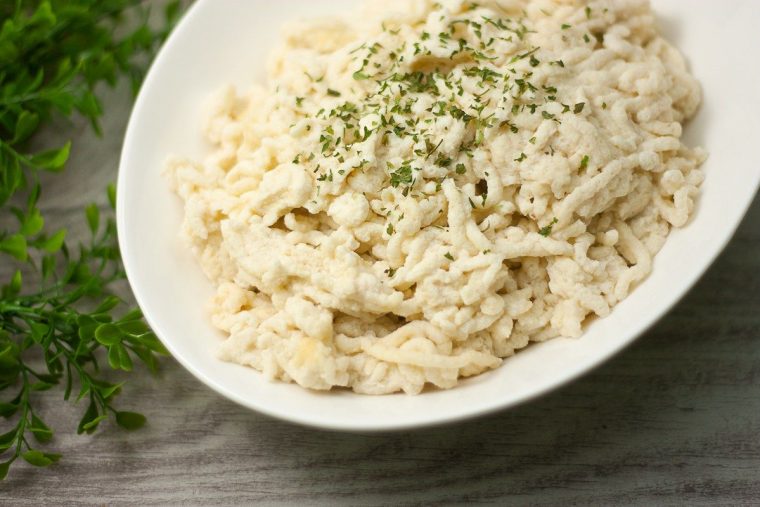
(139, 291)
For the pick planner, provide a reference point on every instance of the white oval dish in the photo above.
(227, 41)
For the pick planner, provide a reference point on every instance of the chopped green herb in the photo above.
(402, 176)
(546, 231)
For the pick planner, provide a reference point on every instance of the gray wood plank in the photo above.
(673, 420)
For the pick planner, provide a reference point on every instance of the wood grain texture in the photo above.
(673, 420)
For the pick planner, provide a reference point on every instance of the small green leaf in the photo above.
(93, 425)
(88, 104)
(50, 377)
(11, 177)
(81, 274)
(108, 334)
(40, 430)
(14, 287)
(86, 387)
(43, 15)
(90, 414)
(151, 341)
(125, 362)
(114, 360)
(87, 332)
(42, 386)
(172, 12)
(33, 223)
(112, 195)
(135, 314)
(108, 304)
(9, 370)
(69, 382)
(51, 160)
(130, 420)
(37, 458)
(38, 331)
(110, 391)
(65, 71)
(8, 438)
(26, 124)
(34, 196)
(62, 100)
(8, 409)
(147, 357)
(4, 469)
(103, 318)
(93, 217)
(15, 246)
(48, 266)
(134, 327)
(8, 356)
(55, 242)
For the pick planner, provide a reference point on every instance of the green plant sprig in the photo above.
(58, 318)
(52, 322)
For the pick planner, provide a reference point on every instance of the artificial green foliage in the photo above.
(62, 327)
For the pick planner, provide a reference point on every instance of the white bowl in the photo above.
(227, 41)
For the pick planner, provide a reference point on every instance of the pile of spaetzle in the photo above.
(424, 188)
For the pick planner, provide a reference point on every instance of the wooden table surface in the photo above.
(673, 420)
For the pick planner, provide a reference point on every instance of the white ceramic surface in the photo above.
(227, 41)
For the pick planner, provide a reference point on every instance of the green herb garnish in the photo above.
(402, 176)
(546, 231)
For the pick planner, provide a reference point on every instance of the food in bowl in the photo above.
(424, 188)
